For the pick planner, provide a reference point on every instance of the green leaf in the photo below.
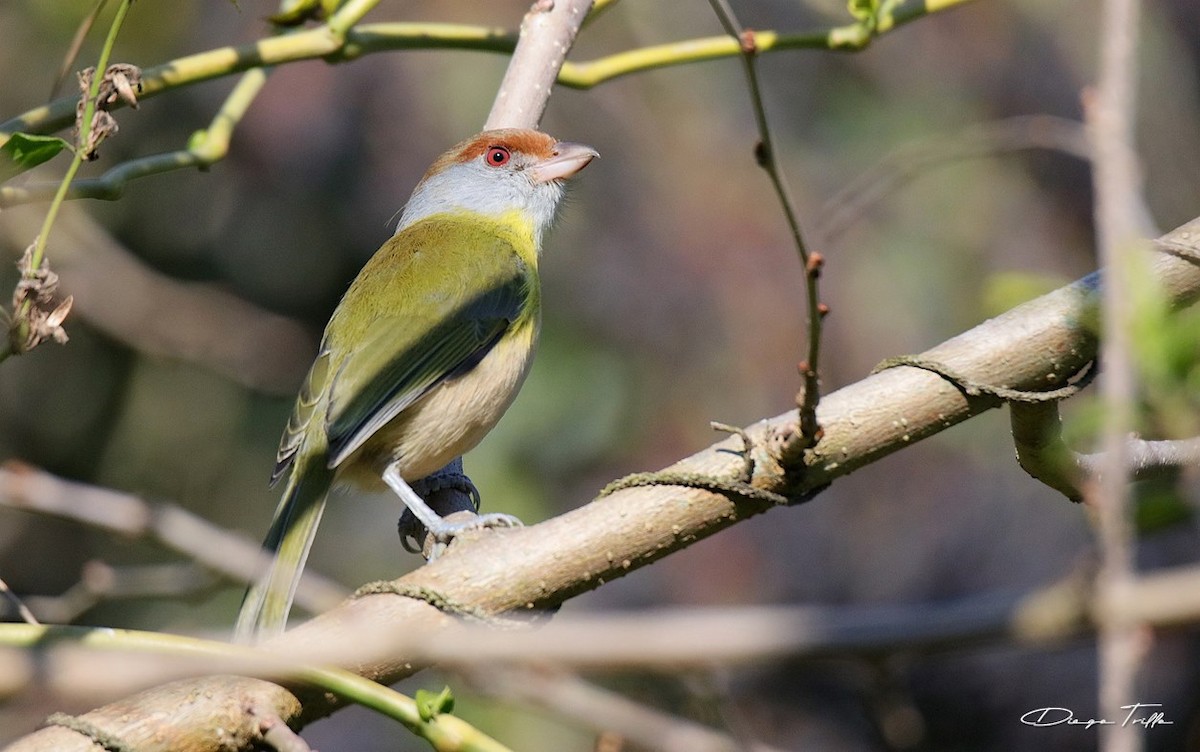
(431, 705)
(23, 151)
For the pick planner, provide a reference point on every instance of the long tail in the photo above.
(267, 602)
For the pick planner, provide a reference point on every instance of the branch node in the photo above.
(748, 42)
(277, 734)
(37, 313)
(118, 85)
(815, 263)
(762, 154)
(746, 451)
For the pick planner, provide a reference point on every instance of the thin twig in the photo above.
(366, 39)
(19, 605)
(444, 732)
(1116, 178)
(73, 49)
(101, 582)
(27, 488)
(85, 123)
(570, 697)
(765, 155)
(1019, 133)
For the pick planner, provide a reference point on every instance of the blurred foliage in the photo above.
(672, 298)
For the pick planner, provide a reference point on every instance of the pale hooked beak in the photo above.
(567, 160)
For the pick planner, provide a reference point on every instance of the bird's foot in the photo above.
(438, 538)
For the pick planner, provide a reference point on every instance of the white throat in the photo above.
(475, 187)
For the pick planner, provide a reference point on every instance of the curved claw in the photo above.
(444, 531)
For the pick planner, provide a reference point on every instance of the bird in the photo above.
(425, 351)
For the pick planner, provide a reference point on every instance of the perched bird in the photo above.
(425, 351)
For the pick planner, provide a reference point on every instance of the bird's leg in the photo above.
(447, 491)
(442, 530)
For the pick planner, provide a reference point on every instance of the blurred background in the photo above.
(672, 297)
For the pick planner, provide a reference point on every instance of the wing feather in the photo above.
(374, 363)
(357, 409)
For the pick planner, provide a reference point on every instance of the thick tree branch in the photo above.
(1035, 346)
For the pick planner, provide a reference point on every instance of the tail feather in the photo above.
(265, 607)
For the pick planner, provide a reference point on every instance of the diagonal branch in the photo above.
(547, 33)
(1037, 345)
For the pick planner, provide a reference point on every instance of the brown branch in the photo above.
(570, 697)
(28, 488)
(16, 603)
(155, 314)
(99, 582)
(1034, 346)
(809, 396)
(657, 640)
(1116, 177)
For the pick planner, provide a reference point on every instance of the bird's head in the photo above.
(498, 172)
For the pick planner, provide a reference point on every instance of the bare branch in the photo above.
(1036, 345)
(27, 488)
(196, 322)
(1117, 182)
(809, 394)
(1020, 133)
(100, 582)
(570, 697)
(1041, 452)
(17, 604)
(547, 33)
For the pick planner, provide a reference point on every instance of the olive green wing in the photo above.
(302, 414)
(380, 379)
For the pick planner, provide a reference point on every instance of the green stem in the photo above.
(365, 39)
(85, 126)
(205, 148)
(20, 321)
(348, 15)
(444, 732)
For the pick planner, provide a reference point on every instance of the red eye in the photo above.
(497, 156)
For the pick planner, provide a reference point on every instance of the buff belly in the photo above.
(448, 421)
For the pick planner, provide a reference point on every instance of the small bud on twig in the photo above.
(816, 262)
(748, 42)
